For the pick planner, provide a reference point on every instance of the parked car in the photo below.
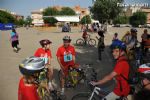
(66, 28)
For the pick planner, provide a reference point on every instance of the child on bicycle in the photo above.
(27, 86)
(45, 54)
(121, 70)
(84, 35)
(66, 58)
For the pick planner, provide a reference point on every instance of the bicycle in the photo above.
(89, 41)
(76, 75)
(138, 55)
(43, 91)
(96, 93)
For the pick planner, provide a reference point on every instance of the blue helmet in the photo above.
(117, 44)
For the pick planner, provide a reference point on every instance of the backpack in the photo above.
(133, 78)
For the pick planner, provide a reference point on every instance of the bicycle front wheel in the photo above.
(92, 42)
(80, 42)
(82, 96)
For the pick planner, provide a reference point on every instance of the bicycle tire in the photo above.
(80, 42)
(82, 96)
(92, 42)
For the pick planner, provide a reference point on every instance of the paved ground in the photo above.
(9, 72)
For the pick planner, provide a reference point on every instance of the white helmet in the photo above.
(31, 65)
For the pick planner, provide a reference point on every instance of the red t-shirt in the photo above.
(44, 54)
(122, 68)
(64, 53)
(27, 92)
(84, 34)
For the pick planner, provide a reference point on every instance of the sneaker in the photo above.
(62, 92)
(15, 50)
(50, 86)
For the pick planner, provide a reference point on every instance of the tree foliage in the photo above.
(50, 11)
(28, 20)
(6, 17)
(121, 20)
(50, 20)
(86, 20)
(67, 11)
(20, 22)
(138, 18)
(106, 10)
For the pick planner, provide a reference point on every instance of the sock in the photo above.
(50, 86)
(63, 89)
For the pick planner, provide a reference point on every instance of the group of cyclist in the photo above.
(121, 70)
(66, 57)
(31, 67)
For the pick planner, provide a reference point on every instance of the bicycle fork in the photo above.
(96, 90)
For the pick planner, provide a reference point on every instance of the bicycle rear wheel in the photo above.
(82, 96)
(92, 42)
(80, 42)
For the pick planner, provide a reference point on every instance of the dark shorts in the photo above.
(15, 43)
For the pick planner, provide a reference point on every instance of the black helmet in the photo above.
(45, 42)
(133, 30)
(101, 33)
(66, 38)
(31, 65)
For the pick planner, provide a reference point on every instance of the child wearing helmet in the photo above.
(29, 68)
(84, 35)
(45, 53)
(121, 68)
(66, 58)
(144, 92)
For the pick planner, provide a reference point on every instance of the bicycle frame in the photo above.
(74, 75)
(43, 83)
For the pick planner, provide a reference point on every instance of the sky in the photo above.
(24, 7)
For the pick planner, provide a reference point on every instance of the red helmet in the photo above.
(45, 42)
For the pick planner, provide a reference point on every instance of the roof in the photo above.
(67, 18)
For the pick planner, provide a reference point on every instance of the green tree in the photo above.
(121, 20)
(6, 17)
(67, 11)
(106, 10)
(50, 11)
(138, 18)
(50, 20)
(20, 22)
(28, 20)
(86, 20)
